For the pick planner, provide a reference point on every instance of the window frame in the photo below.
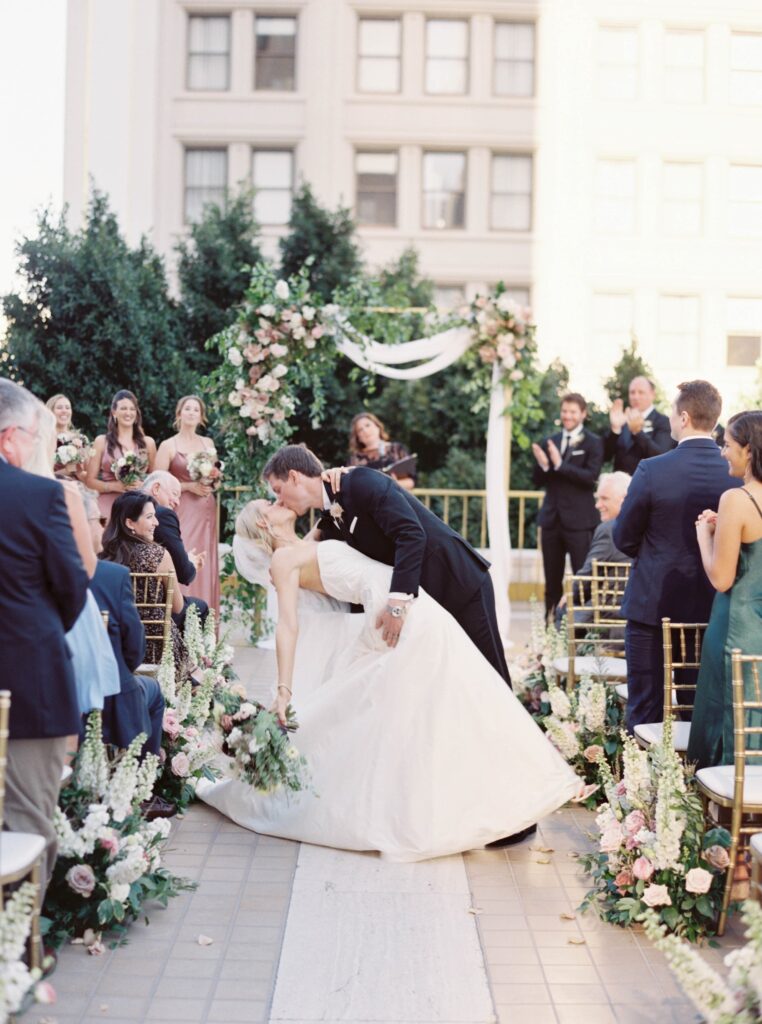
(279, 16)
(360, 56)
(195, 148)
(467, 59)
(424, 191)
(228, 78)
(602, 27)
(497, 22)
(377, 152)
(291, 150)
(526, 154)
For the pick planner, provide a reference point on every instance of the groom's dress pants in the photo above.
(479, 620)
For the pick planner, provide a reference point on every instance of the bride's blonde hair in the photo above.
(252, 525)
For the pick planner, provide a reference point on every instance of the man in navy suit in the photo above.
(43, 587)
(656, 526)
(568, 466)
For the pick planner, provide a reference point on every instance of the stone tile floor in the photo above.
(540, 965)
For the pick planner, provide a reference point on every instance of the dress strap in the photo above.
(753, 499)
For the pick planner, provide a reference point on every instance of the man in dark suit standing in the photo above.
(656, 527)
(568, 465)
(43, 587)
(638, 432)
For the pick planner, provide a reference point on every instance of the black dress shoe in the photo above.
(517, 837)
(158, 807)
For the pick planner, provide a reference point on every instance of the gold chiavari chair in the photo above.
(682, 650)
(20, 852)
(155, 614)
(738, 787)
(594, 630)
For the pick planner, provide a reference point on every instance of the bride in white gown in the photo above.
(415, 751)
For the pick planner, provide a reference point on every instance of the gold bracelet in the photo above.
(283, 687)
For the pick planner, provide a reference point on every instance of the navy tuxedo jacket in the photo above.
(112, 590)
(43, 587)
(168, 535)
(570, 489)
(656, 526)
(387, 523)
(628, 450)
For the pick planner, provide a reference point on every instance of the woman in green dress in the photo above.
(731, 550)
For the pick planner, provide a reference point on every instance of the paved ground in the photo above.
(303, 934)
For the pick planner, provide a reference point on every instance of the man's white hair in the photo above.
(18, 407)
(159, 476)
(619, 480)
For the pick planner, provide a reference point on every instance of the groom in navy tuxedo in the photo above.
(656, 527)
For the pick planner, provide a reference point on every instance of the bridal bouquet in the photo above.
(72, 450)
(653, 850)
(130, 468)
(205, 468)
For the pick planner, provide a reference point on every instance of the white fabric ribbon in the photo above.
(440, 352)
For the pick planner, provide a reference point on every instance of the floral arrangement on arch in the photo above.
(653, 850)
(735, 1000)
(16, 979)
(109, 856)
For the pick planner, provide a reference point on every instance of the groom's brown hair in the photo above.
(292, 456)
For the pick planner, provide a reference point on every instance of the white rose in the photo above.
(296, 320)
(278, 350)
(235, 356)
(268, 310)
(235, 398)
(234, 737)
(309, 342)
(253, 746)
(507, 305)
(246, 710)
(299, 332)
(119, 892)
(280, 370)
(263, 432)
(308, 312)
(281, 290)
(240, 384)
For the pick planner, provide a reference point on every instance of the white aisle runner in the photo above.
(368, 940)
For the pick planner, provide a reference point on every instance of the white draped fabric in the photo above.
(431, 355)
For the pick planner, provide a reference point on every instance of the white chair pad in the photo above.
(18, 852)
(651, 733)
(609, 668)
(755, 842)
(720, 781)
(621, 691)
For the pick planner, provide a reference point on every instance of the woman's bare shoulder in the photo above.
(293, 556)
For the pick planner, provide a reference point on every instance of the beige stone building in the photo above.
(603, 158)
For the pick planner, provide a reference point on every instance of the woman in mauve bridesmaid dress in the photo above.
(124, 433)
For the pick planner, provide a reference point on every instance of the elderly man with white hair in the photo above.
(165, 490)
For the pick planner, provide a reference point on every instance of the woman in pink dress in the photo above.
(197, 511)
(124, 434)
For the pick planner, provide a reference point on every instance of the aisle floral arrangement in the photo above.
(16, 979)
(652, 847)
(735, 1000)
(109, 856)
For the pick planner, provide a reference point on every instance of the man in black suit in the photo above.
(165, 491)
(638, 432)
(568, 465)
(43, 587)
(657, 528)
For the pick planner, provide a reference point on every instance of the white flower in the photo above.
(282, 290)
(235, 356)
(234, 737)
(507, 305)
(280, 370)
(263, 432)
(308, 312)
(657, 896)
(268, 310)
(559, 703)
(309, 342)
(119, 892)
(299, 333)
(278, 351)
(253, 746)
(296, 320)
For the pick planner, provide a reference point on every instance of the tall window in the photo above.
(615, 197)
(682, 195)
(612, 323)
(745, 67)
(275, 64)
(618, 55)
(444, 190)
(684, 66)
(744, 331)
(378, 55)
(272, 175)
(514, 59)
(376, 188)
(679, 319)
(208, 52)
(446, 56)
(206, 179)
(511, 192)
(745, 190)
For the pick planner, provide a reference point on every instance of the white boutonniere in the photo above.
(574, 441)
(336, 512)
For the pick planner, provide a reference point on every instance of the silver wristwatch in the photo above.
(396, 611)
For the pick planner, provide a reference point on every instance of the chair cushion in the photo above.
(755, 842)
(719, 780)
(18, 852)
(651, 733)
(609, 668)
(621, 691)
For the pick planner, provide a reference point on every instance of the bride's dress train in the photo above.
(417, 751)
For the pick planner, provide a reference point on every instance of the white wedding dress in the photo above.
(417, 751)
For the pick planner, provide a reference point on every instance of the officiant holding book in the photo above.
(369, 445)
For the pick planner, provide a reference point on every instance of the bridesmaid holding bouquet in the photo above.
(123, 456)
(192, 458)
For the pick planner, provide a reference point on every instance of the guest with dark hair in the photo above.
(730, 541)
(568, 466)
(639, 431)
(667, 495)
(129, 540)
(124, 435)
(369, 445)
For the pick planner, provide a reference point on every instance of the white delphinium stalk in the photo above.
(15, 981)
(560, 704)
(146, 778)
(165, 677)
(562, 737)
(124, 781)
(210, 633)
(182, 702)
(91, 770)
(670, 817)
(746, 963)
(637, 773)
(194, 638)
(201, 701)
(15, 922)
(591, 712)
(537, 628)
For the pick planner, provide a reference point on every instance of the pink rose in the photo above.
(593, 753)
(643, 868)
(624, 879)
(81, 879)
(634, 822)
(44, 992)
(111, 844)
(611, 840)
(170, 724)
(191, 732)
(698, 881)
(657, 896)
(487, 354)
(621, 789)
(180, 765)
(717, 857)
(317, 331)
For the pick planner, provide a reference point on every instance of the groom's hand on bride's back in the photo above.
(333, 476)
(390, 623)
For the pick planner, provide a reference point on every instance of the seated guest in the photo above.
(128, 540)
(165, 490)
(638, 432)
(369, 445)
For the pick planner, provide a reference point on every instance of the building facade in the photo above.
(600, 158)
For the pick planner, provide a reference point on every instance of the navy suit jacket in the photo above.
(570, 489)
(656, 526)
(43, 587)
(387, 523)
(628, 450)
(168, 535)
(112, 590)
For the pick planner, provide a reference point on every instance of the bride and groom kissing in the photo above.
(415, 742)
